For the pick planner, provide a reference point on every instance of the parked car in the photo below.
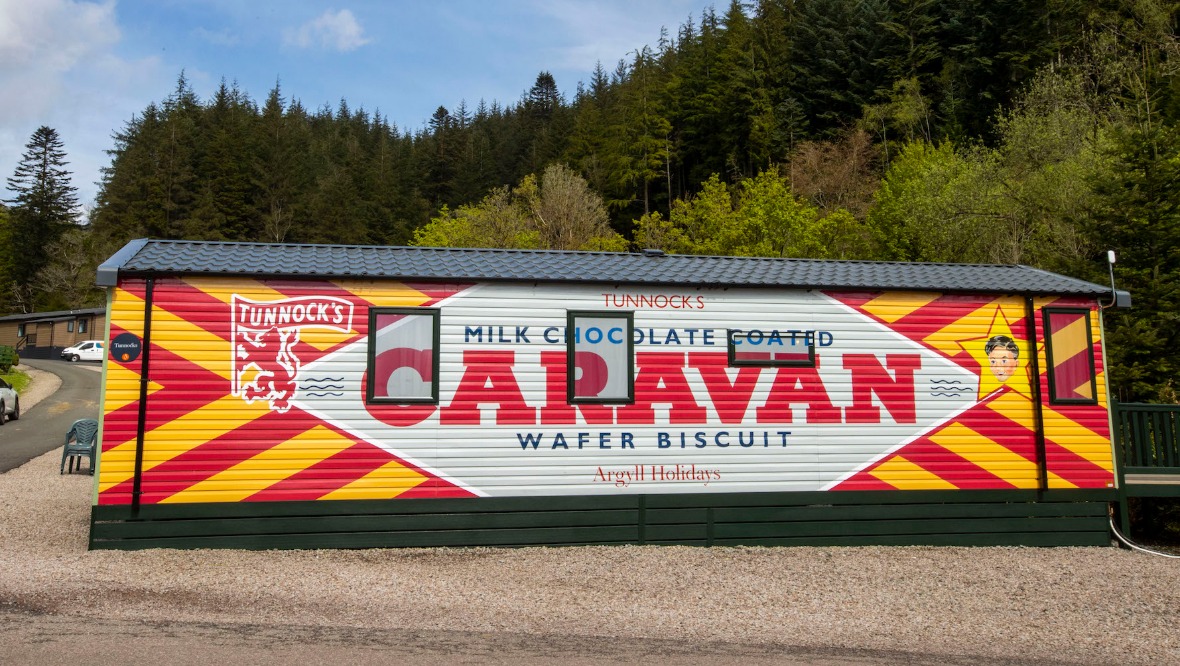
(9, 403)
(87, 350)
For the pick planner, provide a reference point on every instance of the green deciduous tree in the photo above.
(760, 217)
(557, 213)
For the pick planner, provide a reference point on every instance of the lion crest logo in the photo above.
(265, 335)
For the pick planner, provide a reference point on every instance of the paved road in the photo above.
(43, 427)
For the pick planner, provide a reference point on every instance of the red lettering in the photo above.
(594, 374)
(730, 399)
(384, 365)
(896, 393)
(488, 379)
(661, 380)
(390, 360)
(557, 411)
(798, 386)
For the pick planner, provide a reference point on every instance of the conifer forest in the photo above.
(1002, 131)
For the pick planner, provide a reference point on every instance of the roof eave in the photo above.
(108, 271)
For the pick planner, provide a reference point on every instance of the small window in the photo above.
(1070, 355)
(20, 330)
(600, 359)
(70, 326)
(772, 348)
(81, 325)
(403, 355)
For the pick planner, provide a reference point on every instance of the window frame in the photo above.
(371, 356)
(735, 362)
(1050, 369)
(70, 326)
(82, 325)
(571, 317)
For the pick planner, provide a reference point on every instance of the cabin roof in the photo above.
(142, 258)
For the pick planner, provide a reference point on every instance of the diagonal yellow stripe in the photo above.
(387, 481)
(1059, 429)
(995, 458)
(265, 469)
(893, 305)
(195, 344)
(1070, 341)
(1078, 439)
(127, 312)
(224, 289)
(1055, 481)
(1015, 406)
(953, 338)
(905, 475)
(385, 294)
(122, 387)
(178, 436)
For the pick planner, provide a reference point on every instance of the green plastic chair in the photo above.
(84, 434)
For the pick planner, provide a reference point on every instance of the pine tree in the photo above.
(45, 205)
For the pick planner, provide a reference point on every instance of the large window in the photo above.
(403, 355)
(600, 362)
(1070, 354)
(772, 348)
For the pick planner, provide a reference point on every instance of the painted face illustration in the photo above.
(1003, 363)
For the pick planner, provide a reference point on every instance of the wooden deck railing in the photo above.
(1149, 436)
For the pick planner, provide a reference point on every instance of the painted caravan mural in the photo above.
(330, 396)
(281, 389)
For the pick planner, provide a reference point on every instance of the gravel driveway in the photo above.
(904, 604)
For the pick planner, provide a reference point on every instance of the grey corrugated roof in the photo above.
(57, 315)
(165, 257)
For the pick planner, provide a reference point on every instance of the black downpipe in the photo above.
(145, 356)
(1035, 386)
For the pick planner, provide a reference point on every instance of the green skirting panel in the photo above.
(950, 518)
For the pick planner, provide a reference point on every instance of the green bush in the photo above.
(8, 358)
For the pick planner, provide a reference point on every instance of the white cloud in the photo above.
(58, 68)
(605, 31)
(53, 35)
(331, 30)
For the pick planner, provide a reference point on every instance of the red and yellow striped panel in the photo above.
(203, 444)
(993, 444)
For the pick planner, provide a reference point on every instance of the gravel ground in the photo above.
(1027, 605)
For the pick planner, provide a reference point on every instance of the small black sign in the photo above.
(125, 347)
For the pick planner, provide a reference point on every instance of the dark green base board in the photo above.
(939, 518)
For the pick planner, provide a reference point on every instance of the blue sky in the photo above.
(85, 68)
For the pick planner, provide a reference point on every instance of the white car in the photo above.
(9, 403)
(87, 350)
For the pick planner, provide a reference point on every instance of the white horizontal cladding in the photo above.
(502, 426)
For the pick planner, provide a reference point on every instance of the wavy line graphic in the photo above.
(320, 395)
(306, 387)
(946, 395)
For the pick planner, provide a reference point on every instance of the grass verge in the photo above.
(18, 379)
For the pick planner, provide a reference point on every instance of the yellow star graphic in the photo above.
(989, 382)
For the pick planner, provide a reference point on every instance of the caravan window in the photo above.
(772, 348)
(1069, 350)
(403, 355)
(600, 358)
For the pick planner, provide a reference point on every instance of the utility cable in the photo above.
(1133, 546)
